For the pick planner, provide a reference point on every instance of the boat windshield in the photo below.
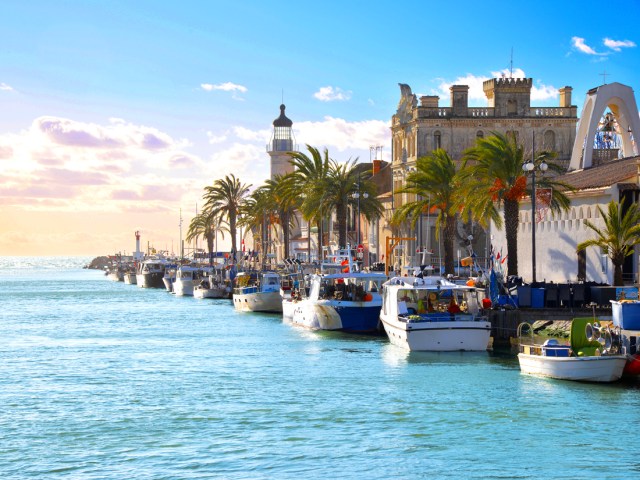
(443, 300)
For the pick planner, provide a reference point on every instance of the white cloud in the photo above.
(343, 135)
(252, 135)
(234, 88)
(226, 87)
(248, 162)
(213, 138)
(539, 92)
(578, 43)
(4, 86)
(617, 45)
(329, 94)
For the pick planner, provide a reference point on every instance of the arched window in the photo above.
(549, 142)
(437, 140)
(512, 108)
(479, 134)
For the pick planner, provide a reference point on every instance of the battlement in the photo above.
(507, 82)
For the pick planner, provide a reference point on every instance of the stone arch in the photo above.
(437, 139)
(622, 103)
(549, 140)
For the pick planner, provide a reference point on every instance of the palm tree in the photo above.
(620, 234)
(282, 192)
(435, 182)
(206, 225)
(225, 197)
(307, 184)
(257, 213)
(492, 176)
(345, 180)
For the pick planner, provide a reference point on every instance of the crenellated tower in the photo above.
(510, 97)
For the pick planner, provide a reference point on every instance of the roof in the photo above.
(604, 175)
(282, 120)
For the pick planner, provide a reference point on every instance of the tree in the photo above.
(257, 213)
(343, 182)
(620, 234)
(281, 191)
(435, 182)
(492, 177)
(206, 225)
(307, 184)
(225, 197)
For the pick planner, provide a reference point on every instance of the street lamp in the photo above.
(357, 196)
(530, 167)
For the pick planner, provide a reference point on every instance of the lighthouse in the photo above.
(138, 255)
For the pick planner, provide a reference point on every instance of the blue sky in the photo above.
(116, 114)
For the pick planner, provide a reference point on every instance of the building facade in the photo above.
(420, 127)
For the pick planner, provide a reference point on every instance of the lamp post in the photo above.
(357, 196)
(530, 167)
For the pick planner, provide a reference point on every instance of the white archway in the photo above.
(621, 100)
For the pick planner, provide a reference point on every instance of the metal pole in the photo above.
(533, 224)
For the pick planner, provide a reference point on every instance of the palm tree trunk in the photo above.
(319, 227)
(449, 237)
(341, 217)
(285, 233)
(511, 210)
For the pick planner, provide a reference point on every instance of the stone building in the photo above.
(419, 127)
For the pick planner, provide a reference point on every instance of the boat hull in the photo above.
(269, 302)
(130, 278)
(471, 336)
(354, 317)
(582, 369)
(202, 292)
(183, 288)
(150, 280)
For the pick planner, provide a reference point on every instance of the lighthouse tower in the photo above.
(282, 142)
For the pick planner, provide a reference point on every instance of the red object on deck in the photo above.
(486, 303)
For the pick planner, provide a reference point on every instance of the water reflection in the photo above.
(395, 356)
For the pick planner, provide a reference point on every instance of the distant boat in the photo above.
(130, 277)
(151, 272)
(169, 276)
(187, 277)
(585, 359)
(433, 314)
(257, 292)
(212, 285)
(339, 298)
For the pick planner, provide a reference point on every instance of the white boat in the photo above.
(150, 273)
(433, 314)
(586, 359)
(212, 285)
(130, 278)
(257, 293)
(348, 300)
(169, 276)
(187, 277)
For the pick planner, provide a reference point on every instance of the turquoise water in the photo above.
(102, 380)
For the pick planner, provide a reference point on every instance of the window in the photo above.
(437, 141)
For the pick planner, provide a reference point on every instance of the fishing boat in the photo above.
(592, 355)
(150, 273)
(130, 276)
(433, 314)
(169, 276)
(257, 292)
(212, 285)
(187, 277)
(340, 297)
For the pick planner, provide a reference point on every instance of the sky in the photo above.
(114, 115)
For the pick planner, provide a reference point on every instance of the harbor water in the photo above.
(102, 380)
